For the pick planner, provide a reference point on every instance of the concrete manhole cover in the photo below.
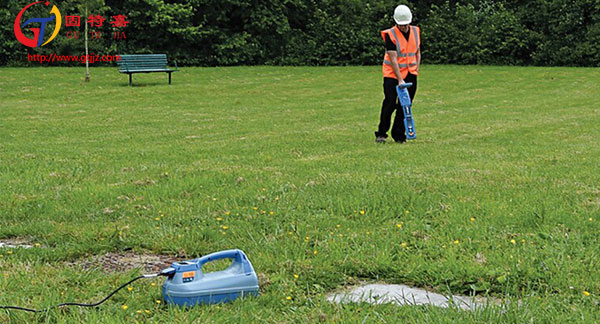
(407, 296)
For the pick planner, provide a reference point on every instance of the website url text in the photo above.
(92, 58)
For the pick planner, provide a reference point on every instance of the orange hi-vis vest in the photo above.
(407, 52)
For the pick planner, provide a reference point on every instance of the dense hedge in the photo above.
(329, 32)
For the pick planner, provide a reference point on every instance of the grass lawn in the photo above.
(499, 195)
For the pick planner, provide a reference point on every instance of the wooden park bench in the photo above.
(145, 63)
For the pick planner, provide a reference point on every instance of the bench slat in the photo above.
(126, 60)
(144, 60)
(146, 70)
(144, 56)
(144, 64)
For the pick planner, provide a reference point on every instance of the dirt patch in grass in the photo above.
(118, 262)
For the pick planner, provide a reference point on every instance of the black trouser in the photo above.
(391, 103)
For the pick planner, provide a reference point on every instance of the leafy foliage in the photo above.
(332, 32)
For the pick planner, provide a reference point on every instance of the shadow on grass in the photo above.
(145, 84)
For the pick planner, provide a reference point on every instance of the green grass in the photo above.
(499, 195)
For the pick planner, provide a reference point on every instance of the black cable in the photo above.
(79, 304)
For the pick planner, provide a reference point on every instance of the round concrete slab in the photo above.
(406, 296)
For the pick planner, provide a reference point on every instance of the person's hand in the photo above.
(400, 82)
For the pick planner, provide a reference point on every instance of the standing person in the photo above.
(400, 64)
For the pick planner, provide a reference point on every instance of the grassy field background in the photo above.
(499, 195)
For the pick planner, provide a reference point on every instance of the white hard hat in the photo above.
(402, 15)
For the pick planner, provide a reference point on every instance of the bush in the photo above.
(464, 34)
(331, 32)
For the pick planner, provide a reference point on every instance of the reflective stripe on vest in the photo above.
(414, 29)
(397, 41)
(399, 65)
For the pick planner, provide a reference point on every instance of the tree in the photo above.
(93, 7)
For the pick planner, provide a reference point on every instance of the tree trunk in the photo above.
(87, 63)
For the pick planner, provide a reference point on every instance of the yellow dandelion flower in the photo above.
(227, 213)
(271, 213)
(276, 198)
(37, 244)
(338, 225)
(157, 227)
(403, 244)
(444, 246)
(255, 208)
(296, 276)
(146, 311)
(456, 241)
(290, 233)
(399, 225)
(139, 311)
(591, 219)
(513, 242)
(9, 252)
(157, 219)
(129, 288)
(219, 219)
(158, 301)
(362, 212)
(472, 219)
(224, 227)
(124, 307)
(523, 241)
(585, 292)
(315, 252)
(288, 298)
(307, 239)
(153, 284)
(407, 212)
